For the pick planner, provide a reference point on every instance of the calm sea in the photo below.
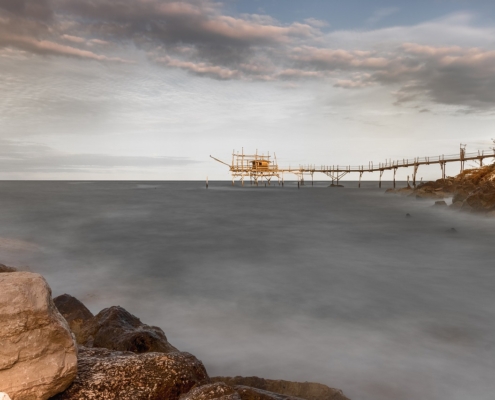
(333, 285)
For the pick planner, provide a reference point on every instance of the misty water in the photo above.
(331, 285)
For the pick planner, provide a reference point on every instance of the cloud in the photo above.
(17, 156)
(202, 69)
(352, 84)
(318, 23)
(47, 47)
(28, 26)
(196, 22)
(36, 9)
(330, 59)
(447, 75)
(75, 39)
(380, 14)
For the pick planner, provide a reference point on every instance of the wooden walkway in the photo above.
(336, 172)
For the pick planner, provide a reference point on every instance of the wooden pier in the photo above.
(256, 168)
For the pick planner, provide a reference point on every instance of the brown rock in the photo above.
(424, 194)
(405, 191)
(38, 355)
(461, 195)
(4, 268)
(217, 390)
(74, 312)
(304, 390)
(456, 205)
(251, 393)
(115, 375)
(115, 328)
(482, 199)
(440, 203)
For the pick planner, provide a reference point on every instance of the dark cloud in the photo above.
(188, 22)
(35, 9)
(446, 75)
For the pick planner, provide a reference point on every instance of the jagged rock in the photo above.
(461, 194)
(212, 391)
(456, 205)
(251, 393)
(38, 355)
(304, 390)
(4, 268)
(482, 199)
(116, 375)
(115, 328)
(440, 203)
(74, 312)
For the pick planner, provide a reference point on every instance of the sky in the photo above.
(149, 89)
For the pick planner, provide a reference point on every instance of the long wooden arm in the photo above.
(220, 161)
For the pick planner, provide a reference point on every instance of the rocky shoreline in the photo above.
(57, 349)
(473, 190)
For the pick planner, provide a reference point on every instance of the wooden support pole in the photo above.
(415, 171)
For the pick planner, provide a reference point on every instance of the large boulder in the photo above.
(74, 312)
(38, 354)
(115, 375)
(114, 328)
(304, 390)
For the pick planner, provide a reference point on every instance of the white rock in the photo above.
(38, 355)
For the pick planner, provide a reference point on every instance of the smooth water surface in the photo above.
(334, 285)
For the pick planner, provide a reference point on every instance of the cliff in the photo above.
(472, 190)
